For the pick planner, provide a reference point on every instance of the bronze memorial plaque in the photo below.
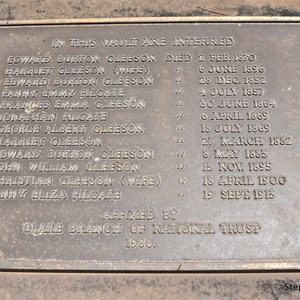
(150, 146)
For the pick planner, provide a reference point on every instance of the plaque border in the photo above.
(133, 20)
(142, 265)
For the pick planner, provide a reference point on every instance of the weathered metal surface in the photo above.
(150, 146)
(149, 286)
